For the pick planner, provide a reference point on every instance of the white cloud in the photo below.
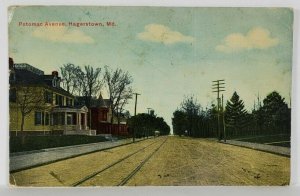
(62, 34)
(256, 38)
(163, 34)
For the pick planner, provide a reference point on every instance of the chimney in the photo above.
(55, 73)
(11, 63)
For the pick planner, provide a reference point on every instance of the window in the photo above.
(51, 119)
(54, 82)
(12, 95)
(47, 118)
(55, 118)
(103, 116)
(59, 100)
(48, 97)
(69, 101)
(56, 99)
(58, 83)
(38, 118)
(58, 118)
(69, 119)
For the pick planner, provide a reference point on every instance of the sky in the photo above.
(169, 52)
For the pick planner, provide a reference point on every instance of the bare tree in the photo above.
(125, 97)
(71, 80)
(90, 83)
(85, 83)
(29, 99)
(118, 84)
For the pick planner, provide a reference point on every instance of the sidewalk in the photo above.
(25, 160)
(284, 151)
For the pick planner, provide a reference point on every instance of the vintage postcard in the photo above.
(149, 96)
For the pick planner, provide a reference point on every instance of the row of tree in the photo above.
(144, 125)
(270, 117)
(88, 83)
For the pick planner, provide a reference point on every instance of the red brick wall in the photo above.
(100, 114)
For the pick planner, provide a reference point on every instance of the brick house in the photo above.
(101, 114)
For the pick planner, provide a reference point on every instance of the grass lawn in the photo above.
(42, 142)
(276, 140)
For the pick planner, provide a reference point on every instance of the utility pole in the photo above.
(149, 110)
(218, 87)
(224, 126)
(133, 136)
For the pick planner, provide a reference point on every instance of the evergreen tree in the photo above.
(235, 114)
(276, 113)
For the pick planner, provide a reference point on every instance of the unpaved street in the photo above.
(177, 161)
(203, 162)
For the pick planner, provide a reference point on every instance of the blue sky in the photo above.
(170, 52)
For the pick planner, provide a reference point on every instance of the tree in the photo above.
(125, 97)
(118, 84)
(190, 119)
(147, 124)
(85, 83)
(192, 109)
(235, 115)
(276, 113)
(179, 122)
(89, 81)
(211, 115)
(71, 75)
(28, 99)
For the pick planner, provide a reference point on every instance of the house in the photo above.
(39, 105)
(101, 115)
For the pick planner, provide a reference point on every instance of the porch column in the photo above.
(79, 120)
(65, 124)
(85, 121)
(65, 118)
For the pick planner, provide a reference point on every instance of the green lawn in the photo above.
(276, 140)
(42, 142)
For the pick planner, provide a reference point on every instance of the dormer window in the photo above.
(54, 81)
(58, 83)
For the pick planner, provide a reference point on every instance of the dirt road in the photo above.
(176, 162)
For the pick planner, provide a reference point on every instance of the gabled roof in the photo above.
(100, 102)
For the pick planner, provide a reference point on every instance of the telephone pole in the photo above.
(149, 111)
(223, 118)
(218, 87)
(133, 135)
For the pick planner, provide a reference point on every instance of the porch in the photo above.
(73, 121)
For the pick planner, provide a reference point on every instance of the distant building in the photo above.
(101, 114)
(56, 114)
